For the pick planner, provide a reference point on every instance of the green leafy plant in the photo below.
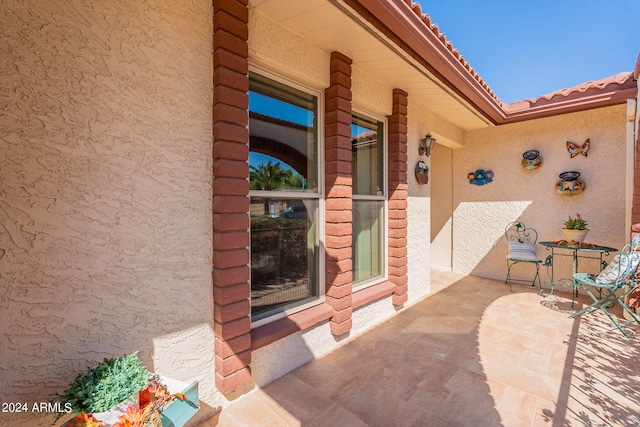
(577, 223)
(106, 385)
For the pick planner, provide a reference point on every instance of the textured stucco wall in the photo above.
(105, 202)
(481, 212)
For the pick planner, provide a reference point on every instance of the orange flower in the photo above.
(134, 417)
(86, 420)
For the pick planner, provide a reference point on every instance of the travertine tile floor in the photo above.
(470, 354)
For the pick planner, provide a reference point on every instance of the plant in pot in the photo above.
(112, 383)
(575, 229)
(119, 392)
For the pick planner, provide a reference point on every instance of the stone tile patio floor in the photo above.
(470, 354)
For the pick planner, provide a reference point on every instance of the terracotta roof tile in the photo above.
(619, 79)
(426, 19)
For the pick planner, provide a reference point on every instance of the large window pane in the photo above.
(367, 146)
(283, 158)
(368, 173)
(368, 240)
(283, 137)
(284, 253)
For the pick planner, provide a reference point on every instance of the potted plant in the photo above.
(107, 389)
(575, 229)
(121, 392)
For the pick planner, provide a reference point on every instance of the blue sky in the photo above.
(527, 49)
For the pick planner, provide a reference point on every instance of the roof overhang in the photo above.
(393, 41)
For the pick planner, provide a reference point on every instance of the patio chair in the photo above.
(522, 249)
(614, 283)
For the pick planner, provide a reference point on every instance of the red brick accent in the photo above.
(372, 293)
(230, 382)
(338, 189)
(230, 347)
(398, 196)
(266, 334)
(231, 289)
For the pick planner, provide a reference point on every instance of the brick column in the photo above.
(231, 289)
(398, 196)
(338, 193)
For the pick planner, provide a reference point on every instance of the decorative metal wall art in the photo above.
(531, 159)
(569, 184)
(480, 177)
(422, 173)
(575, 149)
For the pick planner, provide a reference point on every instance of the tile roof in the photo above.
(620, 79)
(426, 19)
(622, 83)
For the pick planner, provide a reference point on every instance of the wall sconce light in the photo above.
(426, 145)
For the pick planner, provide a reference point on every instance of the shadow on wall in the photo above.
(480, 246)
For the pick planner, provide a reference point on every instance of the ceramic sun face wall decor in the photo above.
(575, 149)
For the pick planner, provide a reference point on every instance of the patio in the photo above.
(470, 354)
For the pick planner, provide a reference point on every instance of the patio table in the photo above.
(576, 252)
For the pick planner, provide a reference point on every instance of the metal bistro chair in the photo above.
(522, 249)
(619, 276)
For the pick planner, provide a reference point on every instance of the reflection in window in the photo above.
(283, 177)
(284, 253)
(367, 164)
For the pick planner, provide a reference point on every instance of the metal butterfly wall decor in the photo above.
(575, 149)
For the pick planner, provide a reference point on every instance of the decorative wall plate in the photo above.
(480, 177)
(569, 175)
(531, 159)
(569, 184)
(422, 172)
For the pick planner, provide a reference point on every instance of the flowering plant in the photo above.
(577, 223)
(153, 400)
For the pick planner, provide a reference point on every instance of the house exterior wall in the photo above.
(482, 212)
(105, 201)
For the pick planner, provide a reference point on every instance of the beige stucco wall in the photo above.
(481, 212)
(105, 195)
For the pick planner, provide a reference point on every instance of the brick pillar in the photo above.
(231, 289)
(338, 193)
(398, 196)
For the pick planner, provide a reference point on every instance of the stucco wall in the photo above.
(105, 206)
(481, 212)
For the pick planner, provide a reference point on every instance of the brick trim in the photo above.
(398, 191)
(267, 334)
(231, 288)
(276, 330)
(338, 179)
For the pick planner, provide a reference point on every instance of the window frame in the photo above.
(367, 114)
(297, 306)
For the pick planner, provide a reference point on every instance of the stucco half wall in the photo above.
(482, 212)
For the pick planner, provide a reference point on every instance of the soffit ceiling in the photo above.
(334, 27)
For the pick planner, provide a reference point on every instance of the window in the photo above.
(369, 195)
(285, 197)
